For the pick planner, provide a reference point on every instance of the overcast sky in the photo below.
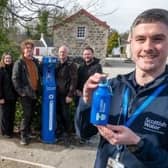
(126, 11)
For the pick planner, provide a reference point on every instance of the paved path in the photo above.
(117, 66)
(35, 155)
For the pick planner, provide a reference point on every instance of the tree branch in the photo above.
(44, 4)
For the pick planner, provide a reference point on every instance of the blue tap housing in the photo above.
(48, 125)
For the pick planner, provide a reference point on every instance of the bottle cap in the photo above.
(103, 82)
(106, 83)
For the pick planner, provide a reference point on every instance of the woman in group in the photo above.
(7, 96)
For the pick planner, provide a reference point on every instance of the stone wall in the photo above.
(96, 36)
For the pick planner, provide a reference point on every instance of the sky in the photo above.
(125, 11)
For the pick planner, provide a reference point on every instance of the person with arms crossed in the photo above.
(137, 131)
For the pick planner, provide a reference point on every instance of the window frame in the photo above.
(81, 34)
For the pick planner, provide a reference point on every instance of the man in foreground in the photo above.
(137, 132)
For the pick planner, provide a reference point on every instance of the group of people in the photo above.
(70, 82)
(22, 80)
(137, 130)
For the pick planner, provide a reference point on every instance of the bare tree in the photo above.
(27, 14)
(22, 11)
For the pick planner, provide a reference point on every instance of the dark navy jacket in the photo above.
(151, 124)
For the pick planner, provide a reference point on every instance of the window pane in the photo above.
(81, 32)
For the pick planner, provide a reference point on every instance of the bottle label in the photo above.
(101, 101)
(101, 110)
(100, 116)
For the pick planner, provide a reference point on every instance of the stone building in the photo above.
(80, 30)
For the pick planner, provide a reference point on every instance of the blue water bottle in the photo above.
(101, 103)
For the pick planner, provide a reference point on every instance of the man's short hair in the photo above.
(64, 46)
(151, 16)
(89, 48)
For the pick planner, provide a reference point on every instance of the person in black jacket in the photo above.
(137, 131)
(66, 78)
(90, 66)
(26, 80)
(8, 96)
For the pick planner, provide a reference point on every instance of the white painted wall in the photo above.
(44, 51)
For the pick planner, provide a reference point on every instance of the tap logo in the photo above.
(51, 96)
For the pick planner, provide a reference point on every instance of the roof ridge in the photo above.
(86, 13)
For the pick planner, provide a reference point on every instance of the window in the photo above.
(37, 51)
(81, 32)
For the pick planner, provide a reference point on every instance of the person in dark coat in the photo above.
(89, 67)
(26, 80)
(137, 130)
(8, 96)
(66, 78)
